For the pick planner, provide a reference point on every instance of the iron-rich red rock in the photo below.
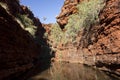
(68, 8)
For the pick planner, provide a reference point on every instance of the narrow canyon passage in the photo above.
(81, 43)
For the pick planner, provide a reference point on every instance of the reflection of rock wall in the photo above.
(69, 71)
(68, 8)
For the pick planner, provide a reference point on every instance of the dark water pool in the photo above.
(71, 71)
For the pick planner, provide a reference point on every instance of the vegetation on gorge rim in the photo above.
(27, 24)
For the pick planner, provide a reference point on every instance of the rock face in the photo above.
(100, 44)
(68, 8)
(18, 50)
(104, 50)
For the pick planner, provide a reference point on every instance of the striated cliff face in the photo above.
(104, 50)
(18, 50)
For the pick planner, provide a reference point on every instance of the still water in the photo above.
(71, 71)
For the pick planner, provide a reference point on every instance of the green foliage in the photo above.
(73, 27)
(27, 23)
(89, 11)
(56, 33)
(87, 16)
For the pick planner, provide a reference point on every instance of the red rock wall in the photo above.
(105, 48)
(68, 8)
(18, 51)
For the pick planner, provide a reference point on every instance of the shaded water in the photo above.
(71, 71)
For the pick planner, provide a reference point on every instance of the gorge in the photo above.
(85, 32)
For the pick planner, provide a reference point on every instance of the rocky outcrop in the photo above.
(68, 8)
(18, 50)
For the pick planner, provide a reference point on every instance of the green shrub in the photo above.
(72, 28)
(87, 15)
(27, 24)
(89, 11)
(56, 33)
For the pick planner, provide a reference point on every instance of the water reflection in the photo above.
(71, 71)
